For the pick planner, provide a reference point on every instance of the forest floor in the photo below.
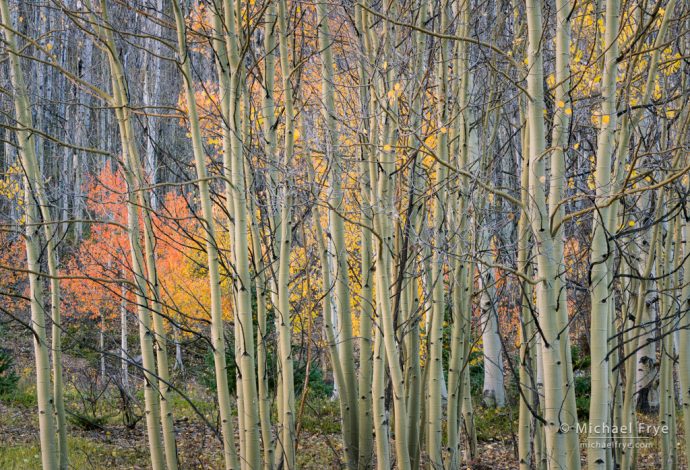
(106, 443)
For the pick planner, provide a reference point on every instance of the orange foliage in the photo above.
(100, 272)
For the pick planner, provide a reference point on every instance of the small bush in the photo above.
(495, 423)
(318, 387)
(582, 399)
(8, 376)
(476, 364)
(208, 376)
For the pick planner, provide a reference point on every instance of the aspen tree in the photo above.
(463, 265)
(365, 423)
(547, 297)
(410, 305)
(33, 215)
(226, 27)
(599, 406)
(668, 264)
(348, 389)
(262, 294)
(435, 334)
(493, 394)
(561, 125)
(637, 340)
(124, 332)
(157, 387)
(381, 414)
(382, 174)
(601, 257)
(459, 410)
(684, 342)
(466, 397)
(684, 302)
(217, 329)
(528, 386)
(287, 420)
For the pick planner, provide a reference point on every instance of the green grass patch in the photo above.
(83, 454)
(495, 423)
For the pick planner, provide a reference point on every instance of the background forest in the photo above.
(384, 234)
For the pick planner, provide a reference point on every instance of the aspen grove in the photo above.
(283, 234)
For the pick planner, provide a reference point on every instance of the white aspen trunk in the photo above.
(384, 174)
(599, 410)
(494, 390)
(153, 69)
(561, 126)
(262, 289)
(636, 341)
(101, 346)
(365, 421)
(37, 215)
(381, 414)
(467, 407)
(236, 194)
(179, 362)
(529, 392)
(124, 347)
(217, 324)
(461, 134)
(287, 419)
(547, 299)
(684, 337)
(262, 295)
(145, 260)
(668, 281)
(348, 389)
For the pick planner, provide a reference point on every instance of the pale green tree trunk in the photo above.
(438, 306)
(527, 377)
(287, 420)
(348, 389)
(262, 290)
(236, 200)
(667, 269)
(217, 328)
(156, 391)
(33, 222)
(561, 124)
(599, 410)
(547, 269)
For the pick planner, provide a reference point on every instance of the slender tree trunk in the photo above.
(493, 390)
(599, 411)
(38, 215)
(561, 125)
(348, 389)
(547, 297)
(283, 319)
(145, 264)
(217, 326)
(124, 348)
(365, 421)
(528, 386)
